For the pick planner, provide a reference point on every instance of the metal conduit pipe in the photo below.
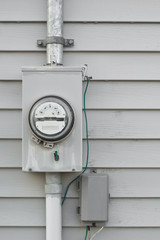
(55, 28)
(53, 187)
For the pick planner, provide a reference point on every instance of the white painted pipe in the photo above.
(53, 189)
(53, 217)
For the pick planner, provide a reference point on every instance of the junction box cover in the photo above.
(94, 199)
(52, 119)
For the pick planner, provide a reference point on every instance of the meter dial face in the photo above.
(51, 118)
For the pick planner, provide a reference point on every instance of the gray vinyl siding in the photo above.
(78, 233)
(108, 66)
(88, 37)
(120, 42)
(84, 10)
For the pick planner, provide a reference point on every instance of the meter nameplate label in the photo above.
(50, 127)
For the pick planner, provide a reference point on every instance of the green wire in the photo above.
(85, 114)
(86, 232)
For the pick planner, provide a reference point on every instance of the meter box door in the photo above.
(52, 119)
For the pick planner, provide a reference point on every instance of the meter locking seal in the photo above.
(51, 119)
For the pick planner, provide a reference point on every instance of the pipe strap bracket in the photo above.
(55, 40)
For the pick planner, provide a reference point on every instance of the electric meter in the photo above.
(51, 119)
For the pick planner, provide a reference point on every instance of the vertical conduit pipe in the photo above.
(53, 190)
(53, 187)
(55, 28)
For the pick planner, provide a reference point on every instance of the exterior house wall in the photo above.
(120, 42)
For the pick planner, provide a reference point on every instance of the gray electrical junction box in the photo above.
(52, 119)
(94, 198)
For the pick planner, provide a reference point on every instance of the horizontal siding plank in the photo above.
(18, 10)
(124, 153)
(100, 95)
(111, 10)
(22, 212)
(15, 183)
(123, 95)
(12, 157)
(123, 124)
(122, 212)
(10, 124)
(113, 233)
(113, 37)
(109, 37)
(103, 153)
(114, 66)
(25, 233)
(22, 35)
(10, 94)
(122, 183)
(103, 124)
(38, 233)
(120, 66)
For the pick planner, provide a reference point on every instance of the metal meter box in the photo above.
(52, 119)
